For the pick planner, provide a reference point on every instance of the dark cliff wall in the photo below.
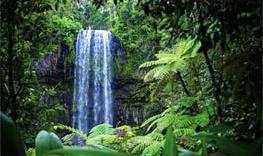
(127, 104)
(54, 71)
(53, 68)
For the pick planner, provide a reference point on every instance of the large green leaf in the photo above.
(85, 151)
(45, 142)
(170, 148)
(228, 146)
(186, 152)
(11, 143)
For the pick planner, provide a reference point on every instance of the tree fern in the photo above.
(171, 60)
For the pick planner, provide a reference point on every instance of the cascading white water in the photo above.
(92, 99)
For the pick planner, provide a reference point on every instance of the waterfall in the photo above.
(92, 98)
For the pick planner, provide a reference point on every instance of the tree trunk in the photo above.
(215, 85)
(206, 44)
(183, 84)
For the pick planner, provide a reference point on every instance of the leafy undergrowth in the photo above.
(182, 129)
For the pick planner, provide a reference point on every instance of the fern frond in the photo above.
(105, 140)
(164, 122)
(138, 148)
(182, 121)
(186, 101)
(202, 119)
(184, 131)
(140, 140)
(172, 109)
(68, 139)
(155, 136)
(72, 130)
(153, 124)
(154, 149)
(168, 63)
(178, 65)
(181, 47)
(151, 75)
(102, 129)
(138, 143)
(153, 63)
(192, 51)
(151, 119)
(145, 144)
(162, 72)
(166, 56)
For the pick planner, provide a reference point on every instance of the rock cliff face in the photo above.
(54, 70)
(128, 102)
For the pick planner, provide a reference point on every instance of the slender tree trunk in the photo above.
(206, 44)
(214, 83)
(183, 83)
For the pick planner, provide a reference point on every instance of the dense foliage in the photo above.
(30, 30)
(197, 65)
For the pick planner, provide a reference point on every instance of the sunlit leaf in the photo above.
(45, 142)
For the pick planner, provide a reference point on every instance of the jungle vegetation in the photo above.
(196, 63)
